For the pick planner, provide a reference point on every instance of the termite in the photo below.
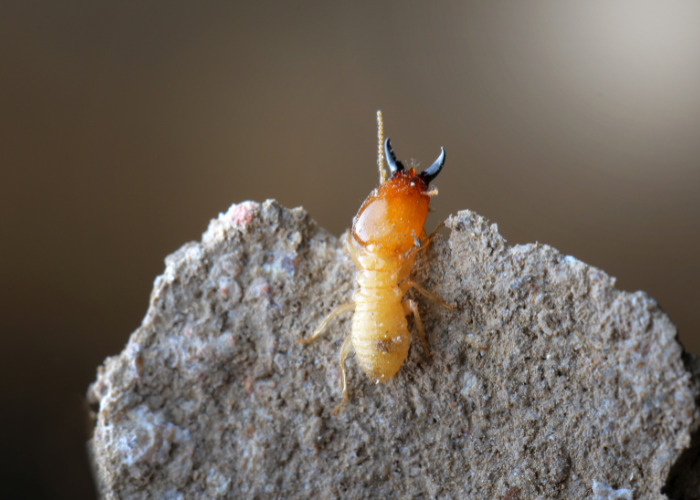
(386, 235)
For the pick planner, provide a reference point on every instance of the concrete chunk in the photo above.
(546, 382)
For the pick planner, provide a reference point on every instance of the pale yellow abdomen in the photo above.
(380, 334)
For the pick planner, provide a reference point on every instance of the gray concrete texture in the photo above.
(545, 382)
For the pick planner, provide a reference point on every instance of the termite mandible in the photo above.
(386, 235)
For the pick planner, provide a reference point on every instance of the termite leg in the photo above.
(344, 351)
(336, 312)
(425, 241)
(407, 284)
(410, 306)
(421, 244)
(352, 250)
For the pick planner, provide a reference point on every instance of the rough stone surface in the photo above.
(546, 382)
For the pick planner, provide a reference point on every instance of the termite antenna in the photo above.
(433, 170)
(380, 146)
(394, 164)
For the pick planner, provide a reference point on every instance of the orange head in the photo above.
(393, 215)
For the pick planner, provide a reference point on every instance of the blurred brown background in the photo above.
(125, 128)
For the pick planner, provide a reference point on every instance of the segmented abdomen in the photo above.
(380, 335)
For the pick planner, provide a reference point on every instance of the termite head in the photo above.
(392, 217)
